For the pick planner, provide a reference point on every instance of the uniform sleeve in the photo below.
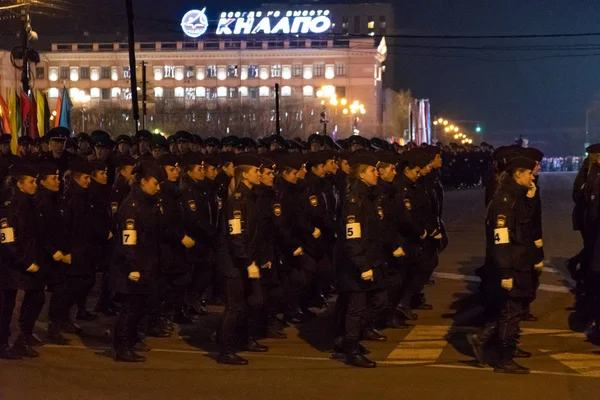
(238, 235)
(284, 235)
(354, 242)
(24, 247)
(501, 225)
(407, 221)
(172, 224)
(196, 217)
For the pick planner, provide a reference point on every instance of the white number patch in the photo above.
(235, 226)
(7, 235)
(129, 237)
(501, 236)
(353, 231)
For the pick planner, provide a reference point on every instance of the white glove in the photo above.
(66, 259)
(531, 191)
(58, 256)
(367, 276)
(134, 276)
(438, 236)
(266, 265)
(188, 242)
(253, 271)
(33, 268)
(399, 252)
(316, 233)
(539, 243)
(539, 266)
(110, 235)
(298, 252)
(507, 284)
(424, 234)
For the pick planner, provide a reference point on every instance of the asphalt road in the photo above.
(432, 360)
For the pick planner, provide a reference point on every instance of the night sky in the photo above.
(462, 84)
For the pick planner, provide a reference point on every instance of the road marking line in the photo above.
(471, 278)
(423, 343)
(488, 369)
(584, 364)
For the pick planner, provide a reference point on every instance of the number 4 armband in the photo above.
(501, 236)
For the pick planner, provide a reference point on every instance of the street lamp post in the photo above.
(82, 99)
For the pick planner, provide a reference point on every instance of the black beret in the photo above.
(387, 157)
(319, 157)
(534, 154)
(330, 142)
(105, 143)
(22, 169)
(125, 160)
(85, 137)
(365, 158)
(212, 142)
(343, 143)
(70, 144)
(198, 139)
(294, 161)
(160, 141)
(100, 136)
(413, 158)
(247, 142)
(59, 133)
(230, 140)
(149, 168)
(247, 159)
(5, 138)
(316, 138)
(192, 158)
(377, 143)
(277, 139)
(227, 157)
(211, 160)
(47, 169)
(268, 163)
(520, 162)
(143, 135)
(594, 148)
(357, 139)
(172, 139)
(81, 166)
(168, 159)
(98, 165)
(184, 136)
(24, 140)
(124, 139)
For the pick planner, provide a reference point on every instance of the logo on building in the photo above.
(272, 22)
(194, 23)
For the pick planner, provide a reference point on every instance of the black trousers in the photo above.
(32, 305)
(272, 295)
(126, 328)
(77, 289)
(203, 274)
(419, 273)
(243, 302)
(363, 307)
(509, 319)
(293, 283)
(175, 288)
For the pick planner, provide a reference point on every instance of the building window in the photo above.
(370, 23)
(319, 70)
(308, 91)
(264, 91)
(179, 92)
(232, 93)
(345, 25)
(357, 24)
(169, 72)
(253, 92)
(190, 93)
(276, 71)
(211, 93)
(253, 71)
(211, 71)
(169, 93)
(189, 72)
(286, 91)
(126, 73)
(64, 73)
(158, 92)
(106, 92)
(340, 70)
(232, 71)
(105, 73)
(39, 72)
(382, 25)
(84, 73)
(297, 70)
(127, 94)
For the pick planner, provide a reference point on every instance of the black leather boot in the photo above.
(54, 336)
(23, 349)
(506, 364)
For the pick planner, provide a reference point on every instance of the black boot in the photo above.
(353, 356)
(23, 349)
(529, 317)
(128, 355)
(479, 340)
(7, 353)
(520, 353)
(54, 336)
(85, 315)
(372, 335)
(407, 312)
(338, 347)
(182, 317)
(231, 358)
(393, 322)
(70, 327)
(506, 364)
(255, 347)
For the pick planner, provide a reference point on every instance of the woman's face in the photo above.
(388, 173)
(267, 177)
(197, 173)
(150, 186)
(370, 176)
(27, 185)
(252, 176)
(52, 183)
(210, 172)
(100, 177)
(229, 169)
(291, 176)
(412, 173)
(524, 178)
(83, 180)
(172, 173)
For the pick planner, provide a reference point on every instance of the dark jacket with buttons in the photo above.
(172, 228)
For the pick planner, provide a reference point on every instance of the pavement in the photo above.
(432, 359)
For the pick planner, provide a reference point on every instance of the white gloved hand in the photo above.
(33, 268)
(58, 256)
(316, 233)
(188, 242)
(399, 252)
(539, 243)
(539, 266)
(298, 252)
(134, 276)
(507, 284)
(66, 259)
(531, 191)
(253, 271)
(367, 276)
(438, 236)
(424, 234)
(110, 235)
(266, 265)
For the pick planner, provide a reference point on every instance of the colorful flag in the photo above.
(39, 99)
(56, 112)
(33, 118)
(25, 117)
(4, 112)
(14, 117)
(47, 115)
(65, 110)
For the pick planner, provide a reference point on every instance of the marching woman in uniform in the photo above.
(239, 255)
(21, 263)
(361, 258)
(511, 243)
(136, 270)
(55, 257)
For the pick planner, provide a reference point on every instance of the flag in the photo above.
(4, 112)
(33, 119)
(13, 112)
(41, 109)
(47, 115)
(65, 110)
(25, 116)
(56, 112)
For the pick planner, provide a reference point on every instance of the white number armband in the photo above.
(353, 230)
(501, 236)
(129, 237)
(7, 235)
(235, 226)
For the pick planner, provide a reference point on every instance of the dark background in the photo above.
(542, 94)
